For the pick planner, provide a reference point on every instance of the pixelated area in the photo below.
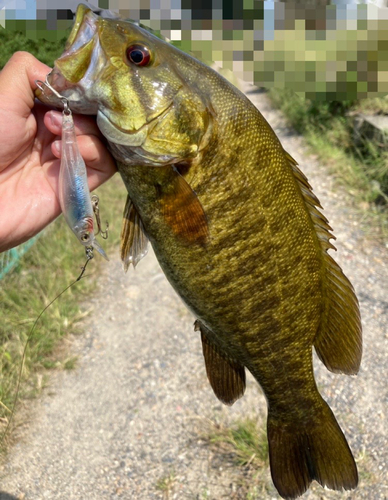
(321, 49)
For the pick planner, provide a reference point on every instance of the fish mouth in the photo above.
(73, 66)
(76, 57)
(88, 20)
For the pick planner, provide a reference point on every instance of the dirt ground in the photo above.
(131, 420)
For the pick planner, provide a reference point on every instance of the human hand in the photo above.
(30, 148)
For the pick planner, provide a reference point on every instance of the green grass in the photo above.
(244, 445)
(166, 483)
(70, 363)
(246, 440)
(375, 105)
(12, 41)
(50, 265)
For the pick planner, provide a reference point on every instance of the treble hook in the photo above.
(96, 210)
(65, 101)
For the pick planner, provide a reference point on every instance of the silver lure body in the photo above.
(74, 194)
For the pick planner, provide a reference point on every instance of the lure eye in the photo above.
(85, 237)
(138, 54)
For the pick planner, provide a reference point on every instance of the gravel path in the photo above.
(131, 420)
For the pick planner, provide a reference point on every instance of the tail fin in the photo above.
(317, 450)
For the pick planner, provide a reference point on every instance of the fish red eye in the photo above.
(138, 54)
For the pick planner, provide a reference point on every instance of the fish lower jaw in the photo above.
(113, 134)
(75, 95)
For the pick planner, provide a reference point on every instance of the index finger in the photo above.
(17, 79)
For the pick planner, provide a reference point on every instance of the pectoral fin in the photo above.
(183, 211)
(226, 376)
(134, 242)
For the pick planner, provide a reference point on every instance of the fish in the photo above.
(236, 228)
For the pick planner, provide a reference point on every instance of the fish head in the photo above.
(133, 82)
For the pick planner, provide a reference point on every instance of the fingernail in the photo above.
(57, 145)
(56, 118)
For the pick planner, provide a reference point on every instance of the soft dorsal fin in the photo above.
(338, 341)
(183, 211)
(134, 242)
(226, 376)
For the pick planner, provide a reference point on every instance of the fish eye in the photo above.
(138, 54)
(85, 237)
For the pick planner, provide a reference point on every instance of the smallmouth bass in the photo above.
(236, 229)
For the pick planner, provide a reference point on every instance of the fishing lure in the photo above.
(76, 203)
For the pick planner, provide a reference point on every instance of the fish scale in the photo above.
(236, 229)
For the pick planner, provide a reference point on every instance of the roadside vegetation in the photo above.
(361, 164)
(46, 51)
(244, 445)
(246, 440)
(52, 263)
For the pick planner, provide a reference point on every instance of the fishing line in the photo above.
(89, 257)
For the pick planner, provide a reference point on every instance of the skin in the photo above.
(30, 148)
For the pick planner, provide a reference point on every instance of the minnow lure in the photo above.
(74, 195)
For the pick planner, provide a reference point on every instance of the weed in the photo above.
(244, 447)
(246, 440)
(166, 484)
(70, 363)
(205, 494)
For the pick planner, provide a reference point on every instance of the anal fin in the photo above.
(226, 376)
(134, 242)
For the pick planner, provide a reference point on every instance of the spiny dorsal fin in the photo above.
(226, 376)
(321, 224)
(338, 342)
(134, 242)
(183, 211)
